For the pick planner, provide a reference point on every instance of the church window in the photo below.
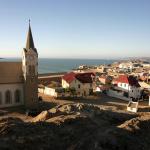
(0, 98)
(17, 96)
(8, 97)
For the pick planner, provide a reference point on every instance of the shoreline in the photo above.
(51, 74)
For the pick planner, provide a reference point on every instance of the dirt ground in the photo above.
(48, 102)
(101, 100)
(94, 123)
(77, 126)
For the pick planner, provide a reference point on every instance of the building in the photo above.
(126, 66)
(129, 86)
(81, 82)
(19, 80)
(104, 79)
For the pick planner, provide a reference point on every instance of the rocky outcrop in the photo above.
(77, 127)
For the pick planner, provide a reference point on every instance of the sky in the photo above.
(76, 28)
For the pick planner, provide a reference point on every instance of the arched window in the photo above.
(8, 97)
(17, 96)
(0, 98)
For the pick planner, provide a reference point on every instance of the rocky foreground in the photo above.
(77, 127)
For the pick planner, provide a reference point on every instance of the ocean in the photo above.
(51, 65)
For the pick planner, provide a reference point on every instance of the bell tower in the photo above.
(30, 72)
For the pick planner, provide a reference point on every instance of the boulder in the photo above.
(44, 115)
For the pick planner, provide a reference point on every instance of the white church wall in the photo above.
(12, 88)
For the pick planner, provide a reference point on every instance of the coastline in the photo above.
(51, 74)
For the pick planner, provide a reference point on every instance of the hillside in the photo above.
(77, 127)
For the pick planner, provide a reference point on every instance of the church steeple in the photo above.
(30, 72)
(30, 42)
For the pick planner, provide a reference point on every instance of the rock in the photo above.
(53, 110)
(44, 115)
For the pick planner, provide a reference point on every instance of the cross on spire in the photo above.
(30, 42)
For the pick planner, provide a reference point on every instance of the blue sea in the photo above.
(51, 65)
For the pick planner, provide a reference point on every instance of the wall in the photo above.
(135, 92)
(50, 91)
(124, 86)
(82, 91)
(116, 94)
(12, 88)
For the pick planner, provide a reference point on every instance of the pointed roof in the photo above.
(30, 42)
(131, 80)
(82, 77)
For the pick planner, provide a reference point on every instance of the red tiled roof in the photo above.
(122, 79)
(69, 77)
(82, 77)
(85, 77)
(131, 80)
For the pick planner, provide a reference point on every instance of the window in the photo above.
(0, 98)
(79, 86)
(17, 96)
(8, 97)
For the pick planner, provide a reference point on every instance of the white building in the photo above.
(129, 86)
(126, 66)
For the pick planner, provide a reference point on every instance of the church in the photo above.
(19, 80)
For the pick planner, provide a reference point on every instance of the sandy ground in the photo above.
(101, 100)
(76, 125)
(48, 102)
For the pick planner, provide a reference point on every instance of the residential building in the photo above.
(129, 86)
(81, 82)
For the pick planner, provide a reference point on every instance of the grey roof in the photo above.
(11, 72)
(30, 42)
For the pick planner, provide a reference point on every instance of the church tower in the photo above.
(30, 72)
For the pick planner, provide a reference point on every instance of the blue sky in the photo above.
(76, 28)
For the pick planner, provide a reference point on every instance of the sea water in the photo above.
(49, 65)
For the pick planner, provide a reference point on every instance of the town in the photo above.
(75, 75)
(127, 80)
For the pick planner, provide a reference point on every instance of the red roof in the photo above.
(85, 77)
(82, 77)
(131, 80)
(69, 77)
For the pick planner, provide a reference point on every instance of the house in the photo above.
(126, 66)
(146, 64)
(104, 79)
(144, 85)
(144, 76)
(19, 80)
(81, 82)
(129, 86)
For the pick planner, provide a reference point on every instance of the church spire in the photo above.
(30, 42)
